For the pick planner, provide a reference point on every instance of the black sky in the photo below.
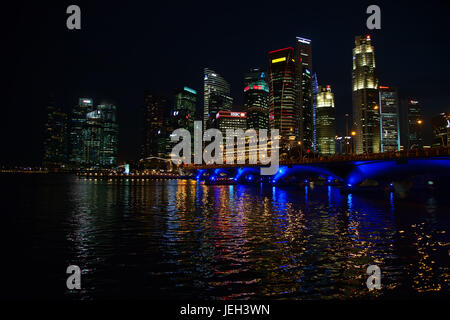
(127, 47)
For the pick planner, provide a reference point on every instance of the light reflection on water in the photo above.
(180, 239)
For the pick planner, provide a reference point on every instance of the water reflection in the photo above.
(182, 239)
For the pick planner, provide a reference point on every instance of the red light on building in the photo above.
(288, 48)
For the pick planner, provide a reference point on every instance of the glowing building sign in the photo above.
(279, 60)
(304, 40)
(190, 90)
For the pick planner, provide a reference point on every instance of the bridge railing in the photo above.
(404, 154)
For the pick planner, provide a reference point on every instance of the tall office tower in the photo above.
(55, 137)
(256, 100)
(77, 123)
(153, 127)
(230, 120)
(253, 75)
(303, 62)
(366, 111)
(100, 137)
(389, 119)
(441, 130)
(412, 124)
(283, 95)
(326, 121)
(110, 135)
(216, 96)
(315, 89)
(92, 134)
(185, 106)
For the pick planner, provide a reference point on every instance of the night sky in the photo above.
(127, 47)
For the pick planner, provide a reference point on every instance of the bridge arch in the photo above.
(304, 171)
(385, 170)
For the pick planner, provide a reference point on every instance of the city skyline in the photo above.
(197, 154)
(129, 98)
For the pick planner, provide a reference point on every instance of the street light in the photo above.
(353, 133)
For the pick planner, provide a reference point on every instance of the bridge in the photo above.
(351, 170)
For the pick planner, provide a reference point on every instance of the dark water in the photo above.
(178, 239)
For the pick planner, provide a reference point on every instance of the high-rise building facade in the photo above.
(154, 133)
(315, 89)
(325, 121)
(216, 96)
(256, 99)
(303, 62)
(441, 130)
(254, 74)
(94, 135)
(230, 120)
(100, 137)
(185, 106)
(77, 124)
(389, 119)
(412, 118)
(110, 135)
(366, 111)
(283, 95)
(55, 137)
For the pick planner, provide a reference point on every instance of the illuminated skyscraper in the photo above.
(100, 137)
(185, 105)
(315, 89)
(153, 129)
(441, 130)
(283, 95)
(216, 95)
(389, 119)
(230, 120)
(256, 100)
(303, 62)
(77, 123)
(110, 135)
(366, 111)
(253, 75)
(55, 137)
(325, 121)
(412, 135)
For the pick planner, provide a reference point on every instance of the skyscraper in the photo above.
(185, 106)
(254, 74)
(92, 135)
(77, 123)
(230, 120)
(366, 111)
(325, 121)
(389, 119)
(441, 130)
(100, 137)
(153, 126)
(256, 99)
(110, 135)
(412, 135)
(283, 95)
(216, 95)
(55, 137)
(303, 62)
(315, 88)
